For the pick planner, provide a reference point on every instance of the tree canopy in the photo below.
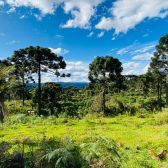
(6, 80)
(50, 94)
(104, 69)
(37, 60)
(159, 64)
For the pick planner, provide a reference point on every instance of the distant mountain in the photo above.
(63, 84)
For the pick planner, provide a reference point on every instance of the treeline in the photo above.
(104, 75)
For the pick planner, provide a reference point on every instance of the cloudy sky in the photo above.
(80, 30)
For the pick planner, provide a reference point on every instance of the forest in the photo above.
(116, 121)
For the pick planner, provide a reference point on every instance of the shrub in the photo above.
(16, 107)
(97, 104)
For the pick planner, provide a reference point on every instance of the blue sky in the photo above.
(80, 30)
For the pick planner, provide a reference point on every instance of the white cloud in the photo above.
(124, 50)
(146, 68)
(146, 56)
(11, 10)
(131, 65)
(145, 35)
(59, 50)
(126, 14)
(78, 70)
(74, 63)
(76, 66)
(81, 10)
(144, 49)
(113, 49)
(23, 16)
(101, 34)
(45, 6)
(113, 38)
(91, 33)
(38, 17)
(11, 42)
(2, 34)
(131, 72)
(1, 3)
(59, 36)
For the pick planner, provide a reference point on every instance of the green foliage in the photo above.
(35, 60)
(101, 65)
(101, 149)
(103, 70)
(16, 107)
(150, 104)
(50, 94)
(62, 158)
(97, 104)
(114, 107)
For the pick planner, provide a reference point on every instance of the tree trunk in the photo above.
(3, 112)
(39, 90)
(104, 95)
(167, 85)
(52, 108)
(167, 93)
(1, 116)
(158, 87)
(161, 94)
(23, 91)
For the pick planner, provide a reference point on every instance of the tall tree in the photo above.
(160, 60)
(44, 60)
(158, 76)
(23, 68)
(6, 80)
(104, 69)
(50, 94)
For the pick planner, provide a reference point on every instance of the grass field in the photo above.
(139, 140)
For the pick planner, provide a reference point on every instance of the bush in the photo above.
(16, 107)
(97, 104)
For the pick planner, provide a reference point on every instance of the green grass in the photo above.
(150, 134)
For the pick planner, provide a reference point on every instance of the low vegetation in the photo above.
(103, 125)
(124, 138)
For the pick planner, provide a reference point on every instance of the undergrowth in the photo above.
(94, 140)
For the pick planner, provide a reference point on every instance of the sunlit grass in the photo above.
(149, 134)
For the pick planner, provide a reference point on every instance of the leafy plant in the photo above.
(62, 158)
(101, 149)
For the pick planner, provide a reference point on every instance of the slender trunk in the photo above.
(23, 90)
(167, 93)
(104, 95)
(39, 91)
(1, 116)
(52, 108)
(108, 94)
(158, 91)
(161, 94)
(167, 85)
(3, 112)
(158, 94)
(9, 98)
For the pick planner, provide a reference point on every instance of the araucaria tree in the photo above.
(160, 60)
(39, 59)
(6, 81)
(104, 69)
(50, 94)
(22, 68)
